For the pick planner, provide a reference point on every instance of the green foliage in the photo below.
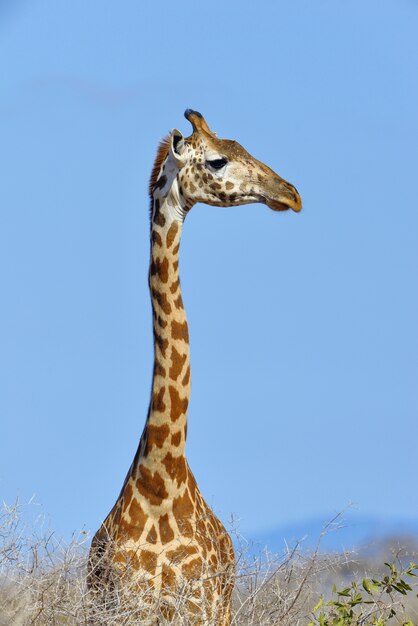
(366, 604)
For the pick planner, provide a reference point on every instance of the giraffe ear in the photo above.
(177, 146)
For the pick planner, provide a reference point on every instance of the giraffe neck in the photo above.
(164, 437)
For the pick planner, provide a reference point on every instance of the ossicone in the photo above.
(198, 122)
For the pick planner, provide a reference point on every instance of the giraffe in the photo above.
(161, 534)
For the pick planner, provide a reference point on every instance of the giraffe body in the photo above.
(161, 539)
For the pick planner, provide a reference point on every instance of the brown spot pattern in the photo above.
(151, 486)
(176, 467)
(149, 561)
(172, 232)
(166, 532)
(161, 343)
(158, 403)
(156, 238)
(180, 553)
(191, 485)
(179, 302)
(127, 495)
(178, 404)
(168, 578)
(162, 301)
(175, 286)
(133, 560)
(156, 436)
(186, 377)
(137, 515)
(193, 569)
(120, 557)
(176, 438)
(159, 218)
(160, 268)
(183, 510)
(158, 369)
(126, 530)
(162, 323)
(180, 330)
(152, 536)
(177, 362)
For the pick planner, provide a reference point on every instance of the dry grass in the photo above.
(43, 582)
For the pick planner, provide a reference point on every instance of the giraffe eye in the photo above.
(217, 164)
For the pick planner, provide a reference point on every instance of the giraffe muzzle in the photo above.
(283, 196)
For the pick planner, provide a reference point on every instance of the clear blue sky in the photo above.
(303, 328)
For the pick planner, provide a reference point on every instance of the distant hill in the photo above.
(353, 532)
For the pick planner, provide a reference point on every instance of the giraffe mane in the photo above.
(162, 152)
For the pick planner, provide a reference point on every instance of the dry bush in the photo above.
(43, 582)
(41, 577)
(273, 590)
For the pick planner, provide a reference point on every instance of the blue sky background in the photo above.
(303, 327)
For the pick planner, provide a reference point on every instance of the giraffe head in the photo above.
(218, 172)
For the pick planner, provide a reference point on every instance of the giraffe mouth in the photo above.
(276, 205)
(279, 195)
(292, 201)
(286, 198)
